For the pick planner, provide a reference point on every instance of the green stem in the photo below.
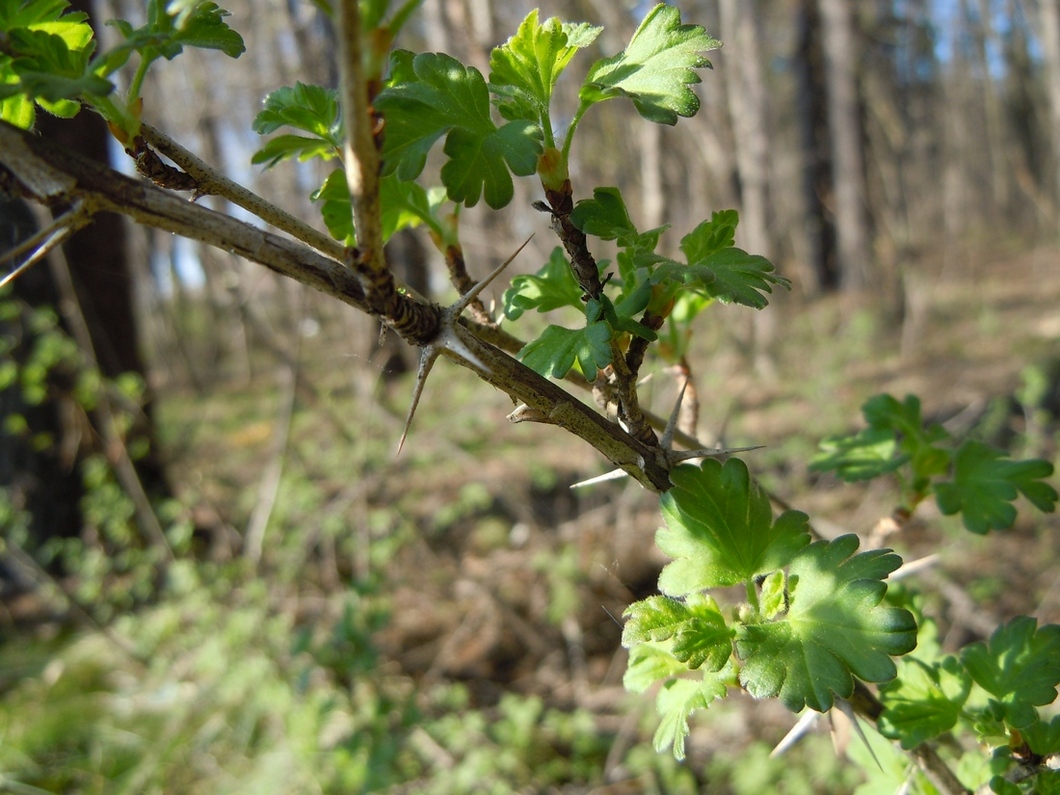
(584, 106)
(137, 83)
(546, 127)
(752, 596)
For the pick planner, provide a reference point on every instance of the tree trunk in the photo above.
(815, 236)
(1049, 11)
(49, 481)
(848, 168)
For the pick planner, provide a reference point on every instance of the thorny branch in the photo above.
(52, 176)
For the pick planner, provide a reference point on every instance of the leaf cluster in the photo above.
(649, 285)
(814, 619)
(971, 478)
(432, 97)
(992, 690)
(48, 56)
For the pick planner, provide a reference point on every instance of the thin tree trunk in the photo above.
(1049, 12)
(848, 168)
(815, 235)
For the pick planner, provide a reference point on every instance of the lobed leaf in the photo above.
(404, 205)
(656, 69)
(865, 455)
(524, 70)
(552, 287)
(720, 529)
(309, 108)
(1043, 737)
(835, 629)
(695, 627)
(985, 483)
(648, 663)
(554, 353)
(924, 701)
(676, 702)
(440, 96)
(1019, 666)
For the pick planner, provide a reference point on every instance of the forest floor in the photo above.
(506, 578)
(500, 577)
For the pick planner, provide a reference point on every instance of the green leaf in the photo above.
(676, 702)
(695, 628)
(985, 483)
(656, 68)
(711, 236)
(552, 287)
(648, 663)
(334, 196)
(1019, 666)
(774, 596)
(1043, 737)
(309, 108)
(720, 529)
(200, 24)
(290, 146)
(605, 216)
(404, 205)
(834, 630)
(924, 701)
(863, 456)
(896, 435)
(447, 98)
(553, 353)
(524, 70)
(730, 275)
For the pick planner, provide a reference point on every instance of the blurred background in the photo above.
(218, 576)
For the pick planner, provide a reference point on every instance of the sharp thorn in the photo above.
(798, 731)
(844, 707)
(667, 440)
(428, 356)
(615, 474)
(685, 455)
(464, 300)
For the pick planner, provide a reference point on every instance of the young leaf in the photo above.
(605, 216)
(555, 351)
(896, 436)
(730, 275)
(924, 701)
(656, 68)
(867, 454)
(1019, 666)
(404, 204)
(648, 663)
(985, 482)
(695, 628)
(550, 288)
(1043, 737)
(834, 630)
(676, 702)
(172, 26)
(446, 98)
(711, 236)
(524, 70)
(312, 109)
(720, 529)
